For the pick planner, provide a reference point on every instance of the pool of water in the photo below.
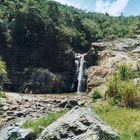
(64, 94)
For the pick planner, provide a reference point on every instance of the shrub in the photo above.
(113, 90)
(3, 73)
(137, 72)
(96, 94)
(121, 90)
(2, 94)
(112, 85)
(124, 72)
(3, 77)
(129, 94)
(137, 129)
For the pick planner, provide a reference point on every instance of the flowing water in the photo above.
(80, 72)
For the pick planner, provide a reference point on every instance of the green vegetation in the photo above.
(2, 94)
(39, 123)
(126, 121)
(121, 109)
(3, 73)
(137, 72)
(122, 95)
(32, 23)
(121, 90)
(124, 72)
(96, 94)
(3, 77)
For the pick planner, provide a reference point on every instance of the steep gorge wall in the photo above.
(43, 70)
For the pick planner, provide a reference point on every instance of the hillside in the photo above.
(40, 38)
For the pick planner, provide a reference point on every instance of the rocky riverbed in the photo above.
(20, 106)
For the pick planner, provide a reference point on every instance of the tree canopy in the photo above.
(27, 23)
(32, 30)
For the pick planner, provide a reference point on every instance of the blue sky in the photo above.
(113, 7)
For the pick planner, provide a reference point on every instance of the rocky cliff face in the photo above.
(111, 54)
(43, 69)
(40, 72)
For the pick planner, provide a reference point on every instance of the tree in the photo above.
(53, 12)
(91, 29)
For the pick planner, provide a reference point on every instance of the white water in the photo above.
(80, 70)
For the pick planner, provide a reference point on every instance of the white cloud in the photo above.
(70, 3)
(113, 8)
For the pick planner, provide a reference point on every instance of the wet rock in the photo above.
(91, 57)
(19, 114)
(79, 123)
(63, 103)
(71, 104)
(10, 113)
(68, 103)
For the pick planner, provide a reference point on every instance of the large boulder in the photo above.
(78, 123)
(97, 78)
(91, 57)
(16, 133)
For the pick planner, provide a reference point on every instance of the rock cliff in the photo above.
(110, 55)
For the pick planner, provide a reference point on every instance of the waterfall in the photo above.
(80, 72)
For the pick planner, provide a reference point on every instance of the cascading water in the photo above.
(80, 72)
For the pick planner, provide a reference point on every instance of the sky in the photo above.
(112, 7)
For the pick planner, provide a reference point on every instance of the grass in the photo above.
(126, 121)
(38, 124)
(96, 94)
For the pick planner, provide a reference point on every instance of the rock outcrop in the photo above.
(41, 80)
(111, 54)
(78, 124)
(41, 72)
(91, 57)
(137, 31)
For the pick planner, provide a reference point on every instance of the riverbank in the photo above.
(20, 106)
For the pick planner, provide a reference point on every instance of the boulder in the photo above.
(68, 103)
(12, 132)
(137, 30)
(78, 123)
(96, 78)
(91, 57)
